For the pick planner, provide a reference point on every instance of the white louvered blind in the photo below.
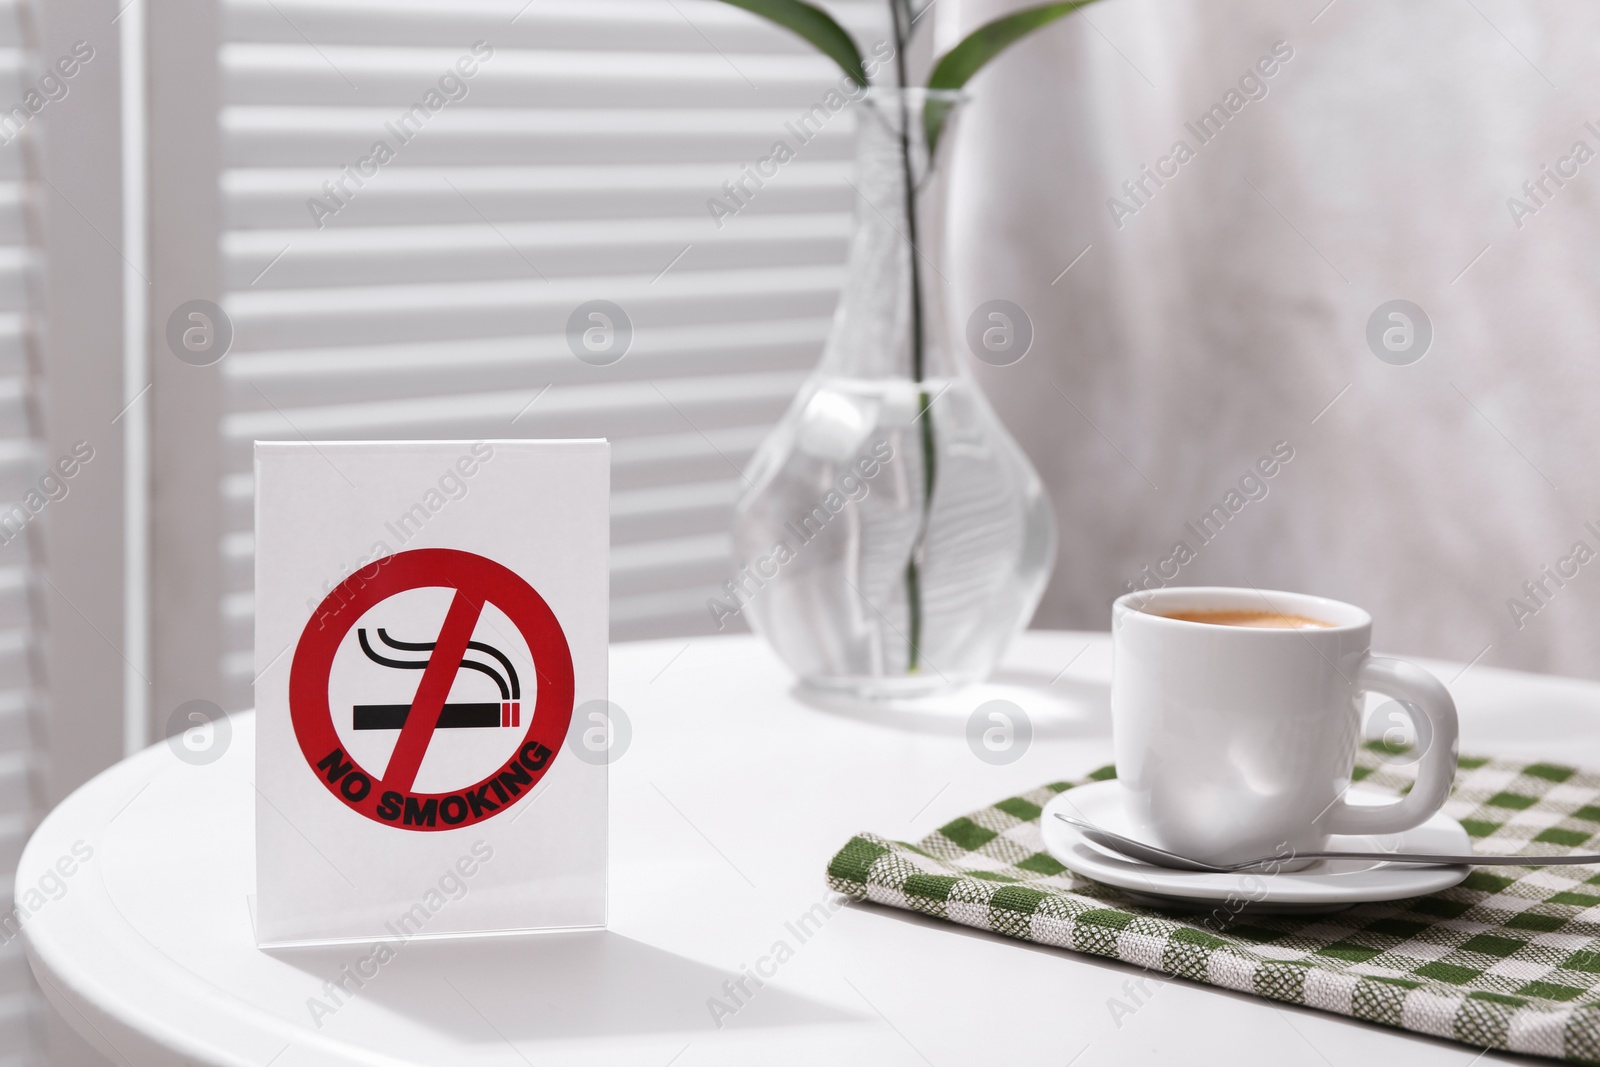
(578, 167)
(22, 460)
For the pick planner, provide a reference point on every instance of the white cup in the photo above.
(1235, 742)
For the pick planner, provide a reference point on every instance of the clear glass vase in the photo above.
(892, 538)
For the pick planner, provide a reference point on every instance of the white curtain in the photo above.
(1221, 312)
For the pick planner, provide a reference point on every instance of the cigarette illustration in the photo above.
(455, 716)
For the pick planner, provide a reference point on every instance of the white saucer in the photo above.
(1324, 885)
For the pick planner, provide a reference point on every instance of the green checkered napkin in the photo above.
(1508, 959)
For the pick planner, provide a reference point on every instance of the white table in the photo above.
(725, 809)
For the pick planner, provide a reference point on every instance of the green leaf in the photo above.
(959, 64)
(816, 26)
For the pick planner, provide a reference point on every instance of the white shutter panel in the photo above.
(578, 167)
(23, 459)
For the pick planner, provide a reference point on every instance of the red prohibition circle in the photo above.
(391, 800)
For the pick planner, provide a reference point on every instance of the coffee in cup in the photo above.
(1259, 620)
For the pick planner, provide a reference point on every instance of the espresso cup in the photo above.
(1234, 741)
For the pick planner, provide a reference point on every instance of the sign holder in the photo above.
(429, 615)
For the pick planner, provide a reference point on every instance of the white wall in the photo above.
(1231, 308)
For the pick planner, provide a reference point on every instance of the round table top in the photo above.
(725, 808)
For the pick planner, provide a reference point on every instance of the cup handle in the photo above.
(1438, 735)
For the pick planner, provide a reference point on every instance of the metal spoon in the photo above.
(1160, 857)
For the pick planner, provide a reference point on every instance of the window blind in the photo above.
(427, 295)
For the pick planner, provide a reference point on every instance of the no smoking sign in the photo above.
(430, 616)
(431, 731)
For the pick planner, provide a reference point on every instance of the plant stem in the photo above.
(910, 193)
(913, 577)
(918, 348)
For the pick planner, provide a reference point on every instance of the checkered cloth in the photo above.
(1509, 959)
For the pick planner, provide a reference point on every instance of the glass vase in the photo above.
(892, 538)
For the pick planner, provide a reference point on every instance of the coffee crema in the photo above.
(1258, 620)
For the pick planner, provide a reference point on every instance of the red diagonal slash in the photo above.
(437, 678)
